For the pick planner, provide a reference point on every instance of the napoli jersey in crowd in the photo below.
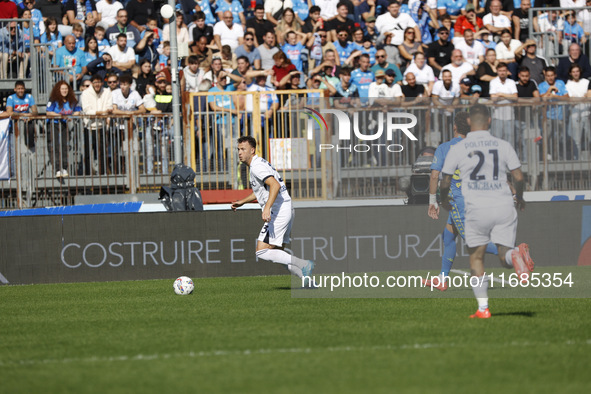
(362, 79)
(21, 106)
(260, 170)
(483, 161)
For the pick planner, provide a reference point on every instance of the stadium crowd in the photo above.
(450, 50)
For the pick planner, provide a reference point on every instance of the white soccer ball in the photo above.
(183, 285)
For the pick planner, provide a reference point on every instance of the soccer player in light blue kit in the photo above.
(455, 220)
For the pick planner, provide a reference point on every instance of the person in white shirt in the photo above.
(328, 8)
(472, 50)
(226, 32)
(490, 214)
(503, 91)
(123, 57)
(382, 94)
(422, 71)
(578, 125)
(107, 11)
(192, 75)
(505, 50)
(396, 23)
(445, 93)
(495, 22)
(458, 67)
(269, 189)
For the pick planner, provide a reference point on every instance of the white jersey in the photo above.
(260, 170)
(483, 161)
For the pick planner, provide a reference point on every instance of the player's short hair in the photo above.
(126, 79)
(248, 139)
(461, 122)
(479, 116)
(19, 83)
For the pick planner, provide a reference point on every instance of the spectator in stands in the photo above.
(226, 114)
(506, 52)
(553, 89)
(503, 91)
(52, 35)
(36, 17)
(445, 21)
(76, 11)
(123, 56)
(527, 90)
(473, 51)
(574, 57)
(19, 106)
(269, 103)
(267, 50)
(393, 55)
(325, 45)
(313, 23)
(229, 59)
(201, 29)
(112, 82)
(63, 104)
(249, 50)
(146, 49)
(293, 47)
(422, 72)
(380, 94)
(226, 32)
(445, 91)
(8, 10)
(495, 22)
(584, 18)
(357, 36)
(12, 48)
(203, 53)
(288, 23)
(507, 6)
(534, 64)
(146, 77)
(164, 58)
(235, 7)
(70, 56)
(192, 75)
(103, 43)
(103, 66)
(396, 22)
(341, 21)
(85, 85)
(205, 6)
(346, 50)
(258, 25)
(301, 9)
(409, 47)
(468, 21)
(550, 22)
(439, 52)
(413, 92)
(520, 19)
(127, 101)
(54, 9)
(182, 33)
(458, 67)
(27, 39)
(452, 8)
(123, 27)
(370, 30)
(573, 32)
(486, 39)
(282, 70)
(244, 72)
(578, 125)
(152, 25)
(91, 51)
(362, 77)
(383, 64)
(487, 71)
(347, 94)
(213, 74)
(138, 12)
(107, 12)
(78, 33)
(370, 50)
(274, 9)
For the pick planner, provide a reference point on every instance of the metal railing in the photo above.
(119, 154)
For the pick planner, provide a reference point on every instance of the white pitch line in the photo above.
(494, 279)
(247, 352)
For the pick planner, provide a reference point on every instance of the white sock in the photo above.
(480, 289)
(295, 270)
(509, 257)
(281, 257)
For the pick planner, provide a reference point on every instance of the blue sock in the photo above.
(449, 251)
(492, 248)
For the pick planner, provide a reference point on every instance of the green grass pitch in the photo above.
(239, 335)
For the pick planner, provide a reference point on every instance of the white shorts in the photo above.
(497, 225)
(277, 231)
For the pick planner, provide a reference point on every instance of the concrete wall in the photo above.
(76, 248)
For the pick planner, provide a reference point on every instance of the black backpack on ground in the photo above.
(182, 195)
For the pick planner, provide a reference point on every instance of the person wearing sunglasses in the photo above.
(439, 52)
(249, 50)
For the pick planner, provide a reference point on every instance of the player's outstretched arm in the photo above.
(433, 210)
(518, 184)
(444, 187)
(246, 200)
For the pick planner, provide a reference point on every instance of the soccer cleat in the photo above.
(524, 251)
(307, 271)
(485, 314)
(439, 284)
(520, 266)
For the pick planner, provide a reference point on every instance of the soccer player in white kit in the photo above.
(271, 193)
(483, 161)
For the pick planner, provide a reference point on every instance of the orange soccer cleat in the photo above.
(438, 283)
(485, 314)
(521, 268)
(524, 251)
